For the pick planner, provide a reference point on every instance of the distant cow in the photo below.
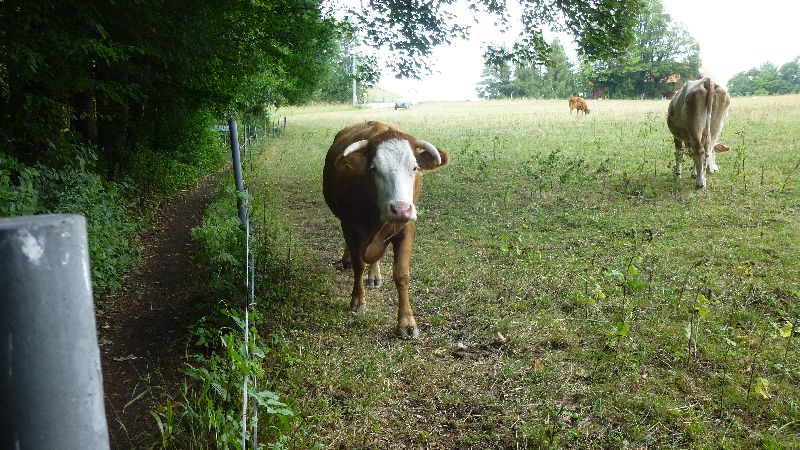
(578, 103)
(371, 181)
(696, 115)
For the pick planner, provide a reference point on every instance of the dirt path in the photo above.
(142, 329)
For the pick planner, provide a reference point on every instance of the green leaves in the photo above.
(786, 329)
(658, 49)
(270, 401)
(762, 387)
(701, 306)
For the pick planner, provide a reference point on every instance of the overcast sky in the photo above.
(733, 36)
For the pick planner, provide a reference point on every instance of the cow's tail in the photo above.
(709, 85)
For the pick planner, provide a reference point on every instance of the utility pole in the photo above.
(355, 97)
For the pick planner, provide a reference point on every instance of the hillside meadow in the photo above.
(571, 291)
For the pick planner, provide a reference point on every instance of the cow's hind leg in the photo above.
(357, 302)
(345, 261)
(699, 170)
(374, 274)
(711, 162)
(679, 152)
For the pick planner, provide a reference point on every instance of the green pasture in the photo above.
(571, 292)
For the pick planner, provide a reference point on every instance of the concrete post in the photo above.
(51, 387)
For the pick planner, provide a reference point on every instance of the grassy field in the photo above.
(571, 292)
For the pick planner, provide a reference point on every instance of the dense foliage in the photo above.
(105, 106)
(38, 189)
(144, 80)
(661, 55)
(767, 80)
(660, 49)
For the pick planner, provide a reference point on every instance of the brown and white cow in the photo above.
(695, 118)
(372, 181)
(578, 103)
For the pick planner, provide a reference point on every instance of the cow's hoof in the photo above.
(713, 169)
(358, 309)
(346, 265)
(408, 332)
(374, 282)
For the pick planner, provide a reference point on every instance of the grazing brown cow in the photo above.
(695, 117)
(578, 103)
(371, 181)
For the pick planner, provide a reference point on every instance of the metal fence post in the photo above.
(50, 381)
(237, 169)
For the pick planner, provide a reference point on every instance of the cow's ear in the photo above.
(431, 158)
(353, 158)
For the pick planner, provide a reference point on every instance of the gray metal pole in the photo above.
(51, 387)
(237, 168)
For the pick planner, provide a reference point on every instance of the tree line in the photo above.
(768, 79)
(660, 55)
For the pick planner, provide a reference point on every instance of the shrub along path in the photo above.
(142, 328)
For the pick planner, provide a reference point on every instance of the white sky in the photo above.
(733, 36)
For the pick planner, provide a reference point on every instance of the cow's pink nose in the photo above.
(402, 211)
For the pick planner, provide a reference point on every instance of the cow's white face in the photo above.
(394, 170)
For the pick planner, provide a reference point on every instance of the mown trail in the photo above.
(142, 329)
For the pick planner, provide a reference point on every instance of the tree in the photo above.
(660, 49)
(529, 81)
(558, 79)
(742, 83)
(336, 85)
(790, 76)
(496, 81)
(767, 79)
(551, 79)
(411, 28)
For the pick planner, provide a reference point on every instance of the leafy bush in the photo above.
(75, 189)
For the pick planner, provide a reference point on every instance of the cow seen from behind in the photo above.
(695, 118)
(372, 181)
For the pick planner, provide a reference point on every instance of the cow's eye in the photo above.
(416, 168)
(373, 169)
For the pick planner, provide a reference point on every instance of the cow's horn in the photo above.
(354, 147)
(428, 147)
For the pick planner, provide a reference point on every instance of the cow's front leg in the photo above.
(406, 325)
(357, 302)
(374, 274)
